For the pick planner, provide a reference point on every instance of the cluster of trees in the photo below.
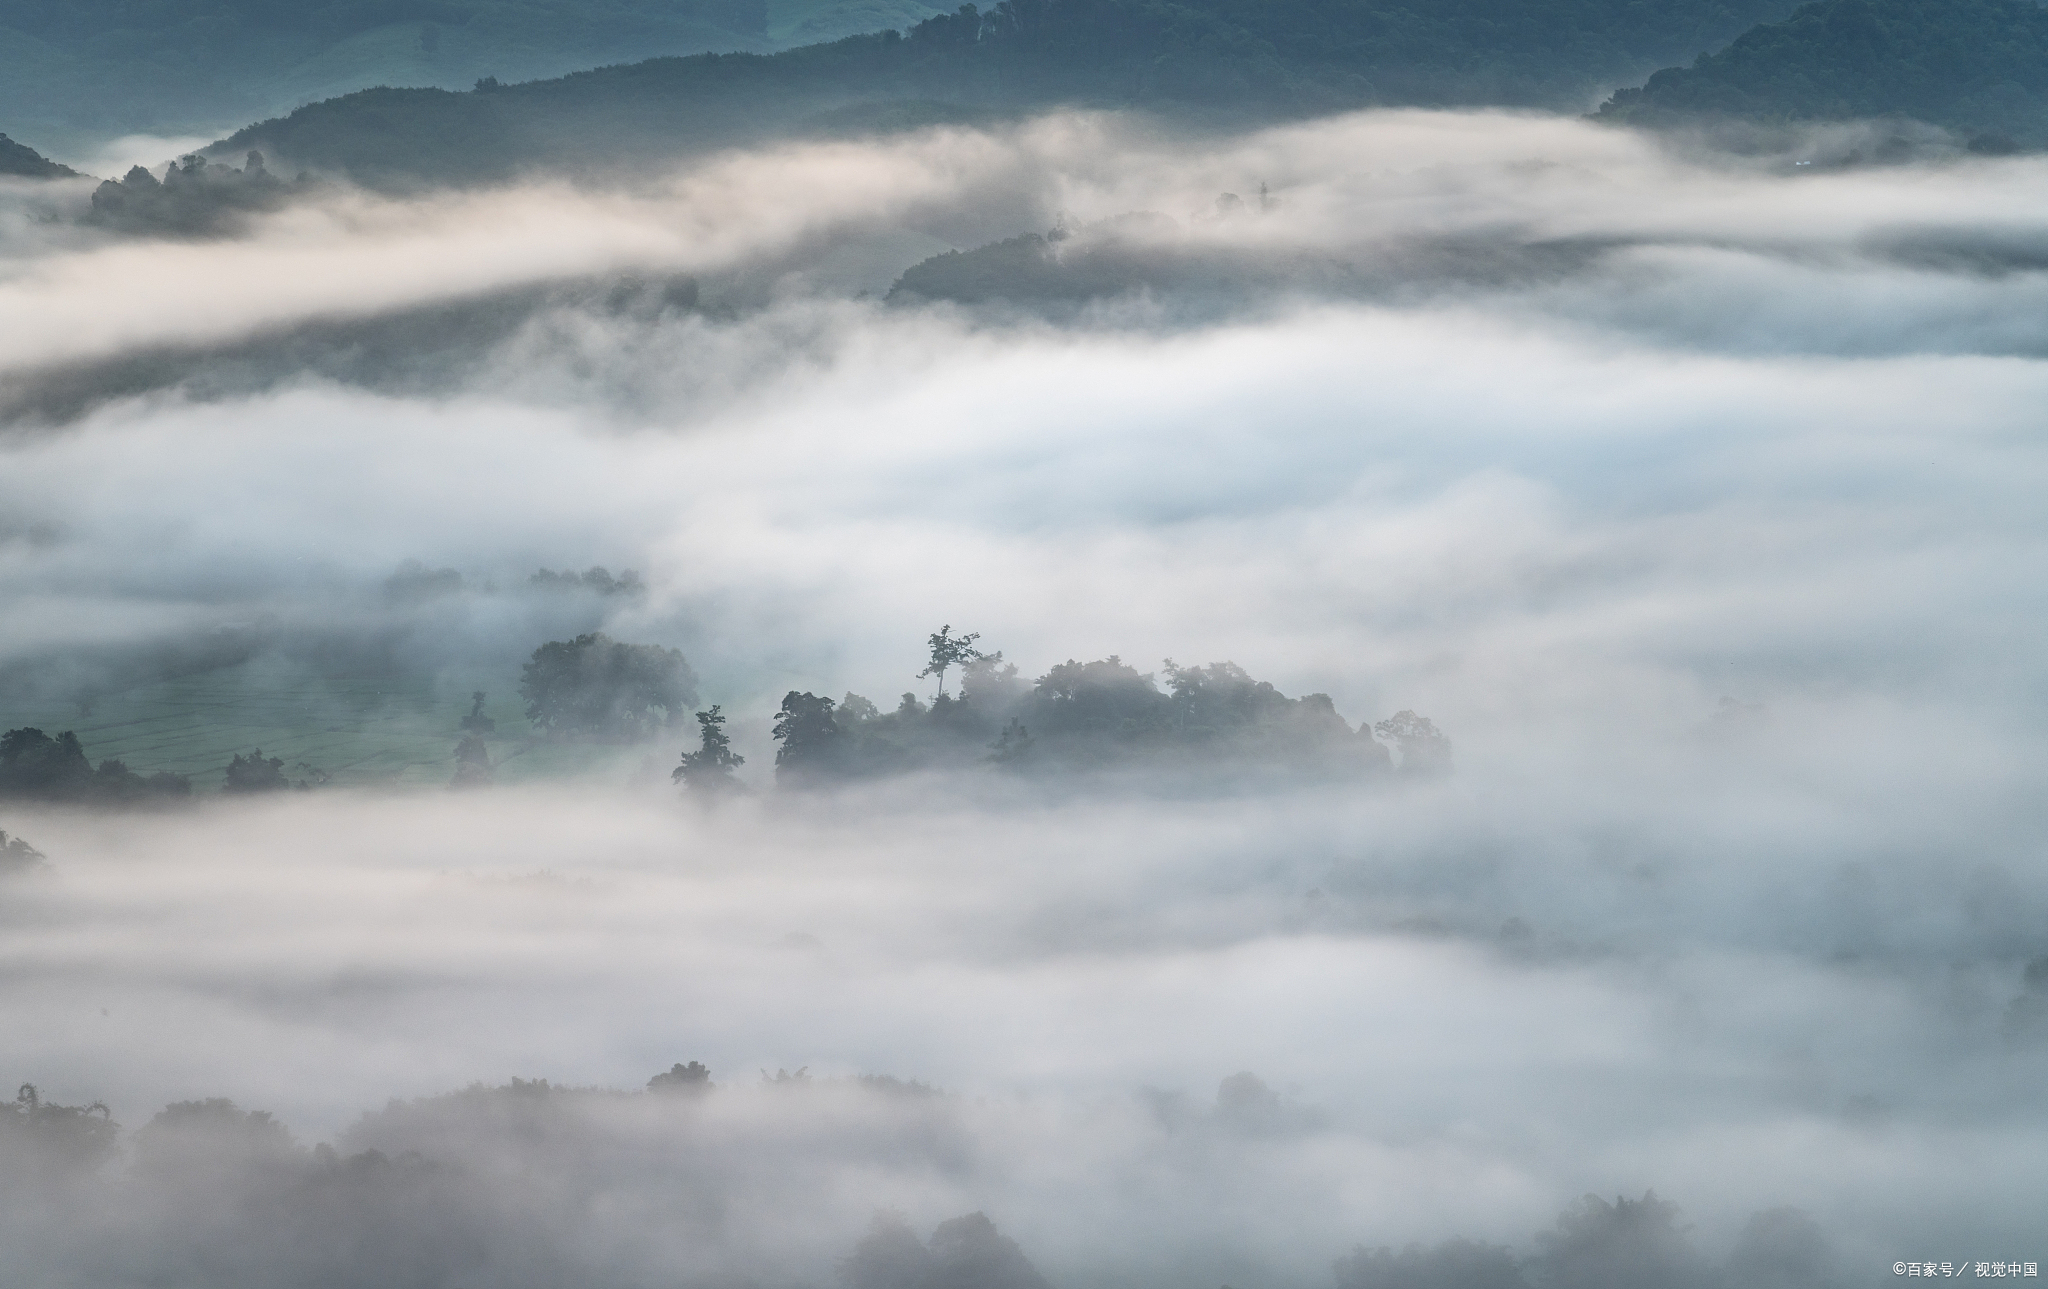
(597, 687)
(1078, 715)
(194, 197)
(37, 766)
(1979, 67)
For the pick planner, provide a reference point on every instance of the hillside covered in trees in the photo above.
(1209, 58)
(25, 162)
(1977, 67)
(95, 68)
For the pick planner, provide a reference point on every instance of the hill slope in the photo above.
(1979, 67)
(88, 69)
(24, 161)
(1210, 56)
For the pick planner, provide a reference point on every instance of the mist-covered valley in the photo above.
(1688, 491)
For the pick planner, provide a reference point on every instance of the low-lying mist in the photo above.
(1694, 496)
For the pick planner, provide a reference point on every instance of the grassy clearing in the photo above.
(362, 731)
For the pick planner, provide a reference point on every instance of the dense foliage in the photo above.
(193, 197)
(1087, 716)
(596, 687)
(1236, 57)
(37, 766)
(1979, 67)
(708, 771)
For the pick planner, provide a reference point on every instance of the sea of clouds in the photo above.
(1695, 496)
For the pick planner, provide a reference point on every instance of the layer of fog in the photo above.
(1600, 226)
(1743, 447)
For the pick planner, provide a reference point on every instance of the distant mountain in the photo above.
(1978, 67)
(19, 159)
(1207, 57)
(83, 70)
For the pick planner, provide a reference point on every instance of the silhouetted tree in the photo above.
(476, 722)
(812, 742)
(708, 771)
(949, 650)
(41, 1141)
(32, 764)
(252, 773)
(693, 1079)
(596, 686)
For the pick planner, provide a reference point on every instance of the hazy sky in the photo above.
(1529, 426)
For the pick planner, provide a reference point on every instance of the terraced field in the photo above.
(366, 731)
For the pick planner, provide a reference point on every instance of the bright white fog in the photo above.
(1696, 499)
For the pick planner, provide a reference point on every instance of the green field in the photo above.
(364, 731)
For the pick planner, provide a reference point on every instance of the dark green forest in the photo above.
(1222, 60)
(1978, 67)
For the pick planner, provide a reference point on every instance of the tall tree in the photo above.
(949, 650)
(708, 770)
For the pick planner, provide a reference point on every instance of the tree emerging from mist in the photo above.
(599, 688)
(1089, 715)
(195, 197)
(708, 771)
(42, 767)
(17, 856)
(43, 1143)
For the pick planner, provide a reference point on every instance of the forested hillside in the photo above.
(1234, 57)
(26, 162)
(1979, 67)
(94, 68)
